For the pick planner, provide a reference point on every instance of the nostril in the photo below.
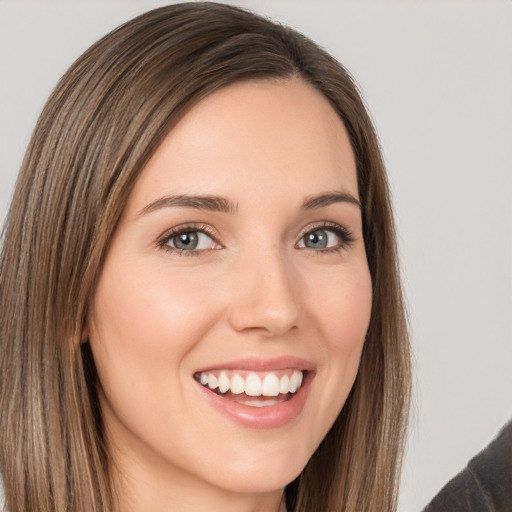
(265, 300)
(263, 319)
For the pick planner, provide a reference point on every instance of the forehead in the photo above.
(258, 136)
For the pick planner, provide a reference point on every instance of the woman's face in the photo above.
(238, 262)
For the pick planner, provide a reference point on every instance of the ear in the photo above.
(85, 334)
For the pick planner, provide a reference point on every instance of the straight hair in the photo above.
(102, 123)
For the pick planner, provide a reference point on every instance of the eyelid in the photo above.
(184, 228)
(343, 233)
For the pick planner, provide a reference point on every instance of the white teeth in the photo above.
(252, 385)
(294, 382)
(224, 383)
(270, 385)
(237, 385)
(284, 384)
(212, 381)
(264, 403)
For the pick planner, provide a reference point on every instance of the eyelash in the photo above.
(345, 236)
(182, 229)
(342, 233)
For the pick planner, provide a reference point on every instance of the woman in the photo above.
(199, 288)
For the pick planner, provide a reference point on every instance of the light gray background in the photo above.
(437, 77)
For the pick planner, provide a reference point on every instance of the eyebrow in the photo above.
(209, 203)
(224, 205)
(326, 199)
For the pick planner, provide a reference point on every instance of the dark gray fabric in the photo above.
(485, 485)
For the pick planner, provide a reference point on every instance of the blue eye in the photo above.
(325, 238)
(189, 240)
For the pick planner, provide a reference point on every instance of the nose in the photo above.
(265, 299)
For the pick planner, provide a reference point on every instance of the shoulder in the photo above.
(3, 505)
(485, 485)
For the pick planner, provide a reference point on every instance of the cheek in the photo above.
(144, 323)
(342, 306)
(148, 309)
(342, 313)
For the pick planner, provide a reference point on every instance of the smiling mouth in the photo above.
(256, 389)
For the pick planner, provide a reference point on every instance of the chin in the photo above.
(261, 474)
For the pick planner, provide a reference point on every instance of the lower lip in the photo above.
(271, 416)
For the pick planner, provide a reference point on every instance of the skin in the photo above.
(254, 291)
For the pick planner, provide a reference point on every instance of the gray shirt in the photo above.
(485, 485)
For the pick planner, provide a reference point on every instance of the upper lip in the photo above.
(262, 364)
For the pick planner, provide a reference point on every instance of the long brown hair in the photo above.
(102, 123)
